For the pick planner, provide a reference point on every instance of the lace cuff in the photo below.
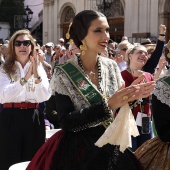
(107, 122)
(104, 116)
(106, 107)
(88, 125)
(162, 91)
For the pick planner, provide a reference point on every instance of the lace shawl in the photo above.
(162, 90)
(110, 83)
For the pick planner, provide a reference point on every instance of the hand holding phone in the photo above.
(145, 125)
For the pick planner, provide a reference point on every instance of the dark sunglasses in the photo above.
(124, 49)
(25, 43)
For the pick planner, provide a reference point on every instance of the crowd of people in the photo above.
(80, 85)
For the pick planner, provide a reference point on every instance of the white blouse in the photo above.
(12, 91)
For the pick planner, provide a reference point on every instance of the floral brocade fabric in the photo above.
(162, 91)
(154, 155)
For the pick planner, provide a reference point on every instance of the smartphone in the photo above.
(145, 125)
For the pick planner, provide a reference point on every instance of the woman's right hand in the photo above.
(131, 93)
(28, 75)
(29, 72)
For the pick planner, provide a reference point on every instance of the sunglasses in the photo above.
(25, 43)
(124, 49)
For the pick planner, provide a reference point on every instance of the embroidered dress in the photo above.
(155, 153)
(73, 148)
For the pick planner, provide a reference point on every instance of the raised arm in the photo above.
(154, 59)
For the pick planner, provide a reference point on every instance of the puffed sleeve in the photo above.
(43, 91)
(72, 120)
(74, 114)
(8, 90)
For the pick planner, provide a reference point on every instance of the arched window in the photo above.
(69, 15)
(167, 13)
(117, 9)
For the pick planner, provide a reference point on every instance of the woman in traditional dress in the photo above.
(155, 153)
(88, 89)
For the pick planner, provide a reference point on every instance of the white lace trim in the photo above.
(110, 83)
(162, 92)
(120, 130)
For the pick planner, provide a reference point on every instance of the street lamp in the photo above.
(104, 6)
(29, 14)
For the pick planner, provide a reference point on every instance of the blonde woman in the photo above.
(137, 57)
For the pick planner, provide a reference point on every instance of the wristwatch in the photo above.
(37, 79)
(23, 80)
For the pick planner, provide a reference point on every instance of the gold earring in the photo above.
(168, 55)
(67, 35)
(71, 41)
(83, 47)
(168, 46)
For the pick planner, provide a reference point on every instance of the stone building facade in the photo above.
(133, 18)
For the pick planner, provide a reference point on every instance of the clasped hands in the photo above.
(33, 68)
(133, 92)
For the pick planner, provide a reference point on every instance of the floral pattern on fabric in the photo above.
(162, 90)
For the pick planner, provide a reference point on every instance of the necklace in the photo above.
(94, 76)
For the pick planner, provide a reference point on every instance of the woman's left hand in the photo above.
(131, 93)
(34, 61)
(138, 80)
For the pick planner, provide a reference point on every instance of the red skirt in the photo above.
(76, 151)
(42, 159)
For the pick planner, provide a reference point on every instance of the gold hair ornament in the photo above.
(168, 46)
(68, 32)
(83, 47)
